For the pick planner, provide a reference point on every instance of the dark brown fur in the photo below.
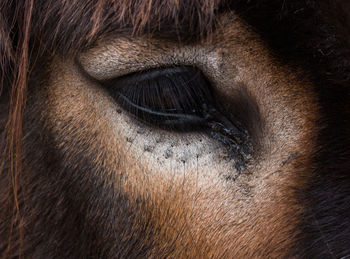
(39, 198)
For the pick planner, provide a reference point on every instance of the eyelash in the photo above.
(178, 98)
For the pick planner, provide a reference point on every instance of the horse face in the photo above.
(182, 191)
(148, 146)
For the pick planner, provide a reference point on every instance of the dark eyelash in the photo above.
(175, 98)
(178, 98)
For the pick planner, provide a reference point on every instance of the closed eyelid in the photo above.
(122, 56)
(111, 60)
(183, 102)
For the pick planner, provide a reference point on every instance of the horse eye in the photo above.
(179, 98)
(172, 98)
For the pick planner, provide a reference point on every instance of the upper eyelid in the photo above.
(83, 72)
(118, 71)
(108, 61)
(104, 81)
(136, 69)
(147, 74)
(101, 67)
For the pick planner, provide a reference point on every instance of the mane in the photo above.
(310, 34)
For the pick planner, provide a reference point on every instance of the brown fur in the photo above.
(80, 179)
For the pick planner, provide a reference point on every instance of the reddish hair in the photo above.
(311, 34)
(43, 28)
